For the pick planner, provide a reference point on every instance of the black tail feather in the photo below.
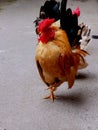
(69, 23)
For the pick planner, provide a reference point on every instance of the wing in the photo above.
(69, 67)
(71, 76)
(41, 72)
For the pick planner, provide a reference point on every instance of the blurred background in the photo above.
(22, 106)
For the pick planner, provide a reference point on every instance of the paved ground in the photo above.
(22, 106)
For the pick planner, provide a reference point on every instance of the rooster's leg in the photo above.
(51, 96)
(52, 88)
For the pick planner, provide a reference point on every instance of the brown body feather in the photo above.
(57, 62)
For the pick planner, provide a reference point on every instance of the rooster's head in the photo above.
(46, 31)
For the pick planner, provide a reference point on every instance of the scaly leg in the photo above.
(51, 96)
(52, 88)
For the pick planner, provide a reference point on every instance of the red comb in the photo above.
(45, 24)
(76, 11)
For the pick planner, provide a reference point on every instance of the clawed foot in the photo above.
(51, 96)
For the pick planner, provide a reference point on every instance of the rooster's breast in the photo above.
(48, 57)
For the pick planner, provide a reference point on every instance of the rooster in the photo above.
(56, 62)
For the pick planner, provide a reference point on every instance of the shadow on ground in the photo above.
(74, 98)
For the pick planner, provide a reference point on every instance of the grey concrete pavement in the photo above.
(22, 106)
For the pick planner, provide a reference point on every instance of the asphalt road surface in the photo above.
(22, 106)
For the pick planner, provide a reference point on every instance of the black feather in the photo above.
(69, 23)
(50, 9)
